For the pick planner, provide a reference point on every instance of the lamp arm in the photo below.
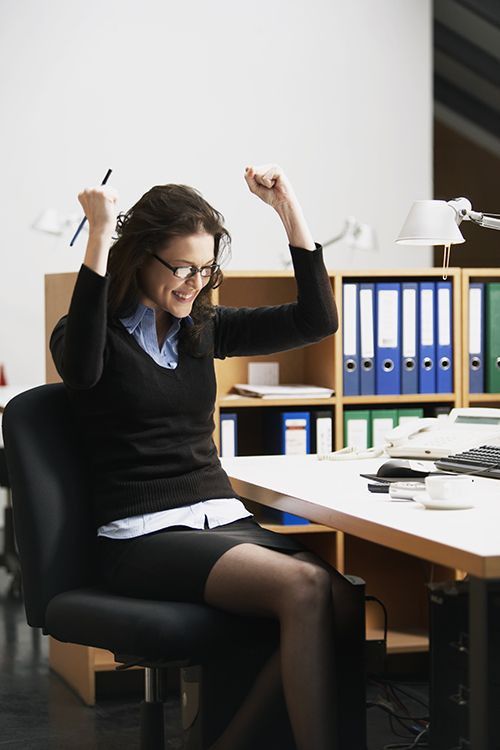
(464, 212)
(337, 237)
(490, 222)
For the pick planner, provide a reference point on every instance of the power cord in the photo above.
(390, 703)
(415, 744)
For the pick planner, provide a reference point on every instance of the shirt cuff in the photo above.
(89, 273)
(303, 249)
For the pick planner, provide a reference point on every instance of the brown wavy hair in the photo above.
(164, 212)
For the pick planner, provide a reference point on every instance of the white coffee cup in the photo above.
(450, 487)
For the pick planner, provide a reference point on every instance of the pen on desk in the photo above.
(82, 223)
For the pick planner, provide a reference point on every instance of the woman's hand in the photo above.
(100, 206)
(269, 183)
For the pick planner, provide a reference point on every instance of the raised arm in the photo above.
(78, 341)
(270, 184)
(246, 331)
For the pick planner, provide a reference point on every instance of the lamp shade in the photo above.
(430, 223)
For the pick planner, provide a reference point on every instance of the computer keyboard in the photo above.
(483, 460)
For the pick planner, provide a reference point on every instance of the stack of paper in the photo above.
(283, 391)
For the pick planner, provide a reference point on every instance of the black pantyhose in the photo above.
(254, 580)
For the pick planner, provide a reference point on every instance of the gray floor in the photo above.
(38, 711)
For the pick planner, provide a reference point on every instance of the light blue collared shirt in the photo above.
(142, 326)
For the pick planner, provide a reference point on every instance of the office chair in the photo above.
(219, 654)
(8, 556)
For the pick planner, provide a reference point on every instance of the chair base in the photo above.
(152, 726)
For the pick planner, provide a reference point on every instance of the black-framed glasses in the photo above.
(187, 272)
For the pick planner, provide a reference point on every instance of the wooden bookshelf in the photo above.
(401, 642)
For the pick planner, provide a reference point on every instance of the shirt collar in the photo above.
(133, 321)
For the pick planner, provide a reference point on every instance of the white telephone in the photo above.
(433, 438)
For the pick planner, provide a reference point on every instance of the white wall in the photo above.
(338, 93)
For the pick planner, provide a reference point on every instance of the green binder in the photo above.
(382, 422)
(357, 429)
(492, 314)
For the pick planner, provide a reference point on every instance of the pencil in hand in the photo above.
(82, 223)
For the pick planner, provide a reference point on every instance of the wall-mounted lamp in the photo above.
(358, 236)
(51, 221)
(436, 223)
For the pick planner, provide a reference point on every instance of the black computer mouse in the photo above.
(400, 467)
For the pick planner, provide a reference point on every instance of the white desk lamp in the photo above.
(437, 222)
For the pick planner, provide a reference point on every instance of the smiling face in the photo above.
(161, 290)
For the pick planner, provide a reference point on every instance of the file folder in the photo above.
(350, 331)
(444, 345)
(476, 337)
(427, 342)
(409, 415)
(493, 337)
(382, 422)
(322, 431)
(367, 338)
(282, 517)
(228, 435)
(388, 350)
(288, 432)
(409, 348)
(357, 429)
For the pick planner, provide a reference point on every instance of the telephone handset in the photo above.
(404, 432)
(436, 438)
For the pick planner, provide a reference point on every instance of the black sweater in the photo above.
(148, 429)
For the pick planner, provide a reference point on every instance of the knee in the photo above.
(309, 589)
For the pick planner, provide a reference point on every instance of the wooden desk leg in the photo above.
(479, 708)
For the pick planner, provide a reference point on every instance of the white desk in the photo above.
(332, 493)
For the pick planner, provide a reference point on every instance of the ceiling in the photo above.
(467, 69)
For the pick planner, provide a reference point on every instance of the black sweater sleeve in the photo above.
(78, 341)
(264, 330)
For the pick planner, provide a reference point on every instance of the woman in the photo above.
(136, 352)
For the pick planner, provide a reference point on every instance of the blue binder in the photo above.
(366, 309)
(288, 432)
(476, 337)
(409, 337)
(388, 347)
(350, 339)
(427, 342)
(444, 340)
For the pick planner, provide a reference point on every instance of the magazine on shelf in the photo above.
(283, 391)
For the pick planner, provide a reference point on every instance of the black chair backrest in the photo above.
(51, 502)
(4, 477)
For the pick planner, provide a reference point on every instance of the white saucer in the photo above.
(426, 500)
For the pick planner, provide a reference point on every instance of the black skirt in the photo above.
(173, 564)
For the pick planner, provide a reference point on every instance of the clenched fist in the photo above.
(100, 206)
(270, 184)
